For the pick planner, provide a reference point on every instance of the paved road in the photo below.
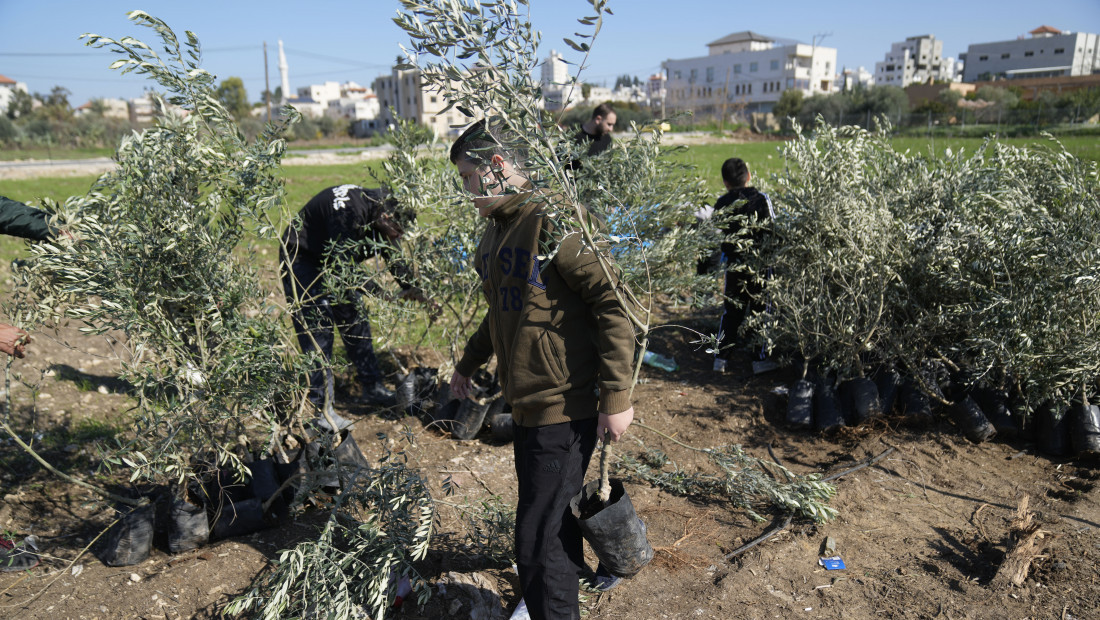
(99, 165)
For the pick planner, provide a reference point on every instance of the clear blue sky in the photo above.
(340, 41)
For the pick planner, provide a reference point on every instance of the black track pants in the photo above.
(550, 465)
(315, 321)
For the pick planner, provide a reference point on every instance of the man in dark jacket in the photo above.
(596, 131)
(558, 332)
(741, 210)
(345, 223)
(19, 220)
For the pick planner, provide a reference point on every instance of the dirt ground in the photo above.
(922, 532)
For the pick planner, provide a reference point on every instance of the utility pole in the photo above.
(267, 85)
(818, 38)
(725, 100)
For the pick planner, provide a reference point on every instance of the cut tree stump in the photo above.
(1024, 548)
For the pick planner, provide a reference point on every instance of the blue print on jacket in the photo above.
(513, 263)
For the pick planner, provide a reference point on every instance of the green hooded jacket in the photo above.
(557, 328)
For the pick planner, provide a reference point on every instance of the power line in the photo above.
(89, 52)
(348, 61)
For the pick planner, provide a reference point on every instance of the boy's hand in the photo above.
(460, 386)
(13, 340)
(616, 423)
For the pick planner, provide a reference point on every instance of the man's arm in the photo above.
(579, 267)
(479, 348)
(20, 220)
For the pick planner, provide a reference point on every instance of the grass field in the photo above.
(302, 182)
(765, 158)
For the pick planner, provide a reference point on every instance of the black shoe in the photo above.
(377, 395)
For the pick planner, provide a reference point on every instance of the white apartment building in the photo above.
(109, 108)
(747, 72)
(557, 92)
(402, 94)
(354, 108)
(320, 93)
(347, 100)
(851, 78)
(655, 89)
(916, 60)
(1048, 53)
(8, 87)
(555, 71)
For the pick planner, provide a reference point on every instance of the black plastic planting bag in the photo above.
(994, 404)
(971, 421)
(800, 405)
(131, 538)
(861, 400)
(914, 404)
(239, 518)
(827, 412)
(470, 416)
(188, 527)
(1052, 429)
(888, 382)
(416, 390)
(263, 481)
(1085, 430)
(289, 466)
(613, 529)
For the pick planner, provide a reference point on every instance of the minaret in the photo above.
(284, 71)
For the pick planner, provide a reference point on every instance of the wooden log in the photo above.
(1024, 548)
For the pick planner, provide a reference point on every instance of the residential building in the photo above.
(316, 100)
(307, 106)
(746, 72)
(8, 87)
(321, 93)
(596, 95)
(655, 90)
(108, 108)
(916, 60)
(1049, 52)
(557, 90)
(354, 108)
(142, 110)
(851, 78)
(555, 71)
(403, 94)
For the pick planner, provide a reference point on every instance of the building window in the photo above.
(433, 99)
(753, 66)
(693, 75)
(710, 74)
(983, 58)
(1028, 54)
(750, 89)
(1059, 50)
(737, 69)
(775, 65)
(677, 74)
(1005, 55)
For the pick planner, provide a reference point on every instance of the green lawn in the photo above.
(765, 158)
(44, 153)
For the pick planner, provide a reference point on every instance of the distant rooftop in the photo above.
(1045, 30)
(6, 80)
(741, 37)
